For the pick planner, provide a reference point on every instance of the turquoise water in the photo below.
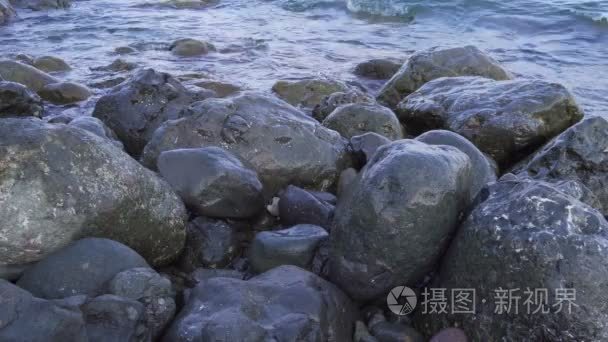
(261, 41)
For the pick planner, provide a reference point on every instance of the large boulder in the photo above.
(97, 127)
(307, 93)
(60, 183)
(7, 12)
(525, 235)
(25, 74)
(17, 100)
(39, 5)
(505, 119)
(63, 93)
(484, 168)
(282, 144)
(212, 182)
(283, 304)
(383, 235)
(579, 154)
(427, 65)
(50, 64)
(355, 119)
(136, 108)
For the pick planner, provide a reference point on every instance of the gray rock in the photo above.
(395, 332)
(137, 107)
(209, 243)
(212, 182)
(284, 304)
(307, 93)
(356, 119)
(97, 127)
(577, 154)
(82, 268)
(112, 318)
(525, 234)
(383, 235)
(26, 318)
(293, 246)
(362, 334)
(60, 183)
(427, 65)
(17, 100)
(347, 178)
(484, 168)
(298, 206)
(365, 145)
(50, 64)
(377, 69)
(124, 50)
(203, 274)
(505, 119)
(335, 100)
(25, 74)
(221, 89)
(119, 65)
(62, 93)
(39, 5)
(282, 144)
(7, 12)
(189, 47)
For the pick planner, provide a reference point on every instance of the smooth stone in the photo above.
(64, 93)
(221, 89)
(203, 274)
(124, 50)
(17, 100)
(307, 93)
(335, 100)
(298, 206)
(188, 47)
(51, 64)
(25, 74)
(97, 127)
(365, 145)
(356, 119)
(40, 5)
(377, 69)
(113, 318)
(210, 243)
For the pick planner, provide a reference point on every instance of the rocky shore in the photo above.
(186, 208)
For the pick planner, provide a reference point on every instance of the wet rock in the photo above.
(298, 206)
(221, 89)
(82, 268)
(427, 65)
(212, 182)
(50, 64)
(347, 178)
(112, 318)
(39, 5)
(377, 69)
(25, 74)
(395, 332)
(526, 234)
(26, 318)
(119, 65)
(7, 12)
(64, 93)
(449, 335)
(484, 168)
(577, 154)
(60, 183)
(365, 145)
(188, 47)
(17, 100)
(307, 93)
(505, 119)
(282, 144)
(124, 50)
(383, 235)
(25, 59)
(285, 304)
(335, 100)
(97, 127)
(356, 119)
(209, 243)
(137, 107)
(293, 246)
(203, 274)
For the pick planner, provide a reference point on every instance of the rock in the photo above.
(526, 234)
(59, 183)
(298, 206)
(377, 69)
(118, 65)
(17, 100)
(25, 74)
(25, 318)
(484, 169)
(577, 154)
(212, 182)
(362, 334)
(221, 89)
(365, 145)
(150, 289)
(39, 5)
(395, 332)
(203, 274)
(82, 268)
(7, 12)
(282, 144)
(383, 235)
(347, 178)
(449, 335)
(505, 119)
(97, 127)
(190, 47)
(209, 243)
(107, 82)
(427, 65)
(292, 246)
(284, 304)
(124, 50)
(137, 107)
(51, 64)
(335, 100)
(23, 58)
(356, 119)
(64, 93)
(307, 93)
(112, 318)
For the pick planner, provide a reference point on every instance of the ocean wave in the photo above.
(304, 5)
(388, 8)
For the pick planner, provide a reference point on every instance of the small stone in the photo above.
(209, 243)
(64, 93)
(51, 64)
(188, 47)
(358, 118)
